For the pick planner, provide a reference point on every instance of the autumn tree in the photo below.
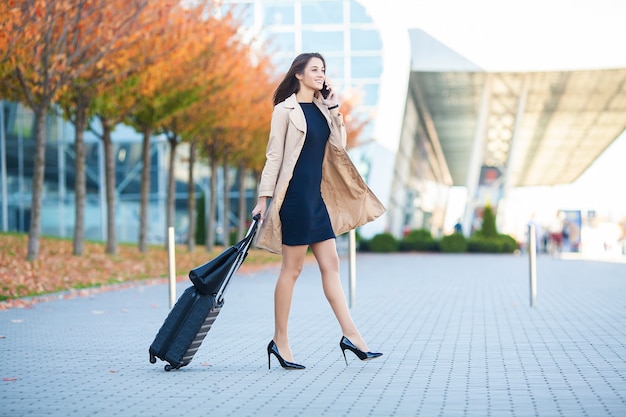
(209, 73)
(163, 90)
(49, 48)
(251, 135)
(110, 106)
(77, 101)
(207, 120)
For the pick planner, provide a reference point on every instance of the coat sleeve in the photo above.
(340, 129)
(274, 152)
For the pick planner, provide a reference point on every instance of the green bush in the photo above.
(363, 246)
(509, 244)
(488, 228)
(454, 243)
(479, 243)
(383, 242)
(420, 240)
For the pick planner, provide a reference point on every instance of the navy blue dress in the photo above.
(303, 213)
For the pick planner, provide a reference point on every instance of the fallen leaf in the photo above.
(113, 371)
(9, 379)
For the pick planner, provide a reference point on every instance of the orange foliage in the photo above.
(57, 41)
(227, 88)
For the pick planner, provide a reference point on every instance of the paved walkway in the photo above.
(458, 335)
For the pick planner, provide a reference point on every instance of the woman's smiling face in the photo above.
(314, 75)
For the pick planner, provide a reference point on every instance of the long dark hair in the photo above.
(290, 83)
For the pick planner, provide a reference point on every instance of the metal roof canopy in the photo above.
(539, 128)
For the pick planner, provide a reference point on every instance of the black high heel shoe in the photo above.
(272, 349)
(346, 344)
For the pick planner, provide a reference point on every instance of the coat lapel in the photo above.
(296, 115)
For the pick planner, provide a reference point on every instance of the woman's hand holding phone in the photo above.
(325, 91)
(328, 96)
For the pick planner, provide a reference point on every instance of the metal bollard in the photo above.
(532, 257)
(171, 265)
(352, 266)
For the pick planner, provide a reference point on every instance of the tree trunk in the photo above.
(191, 199)
(39, 163)
(226, 220)
(80, 184)
(171, 188)
(110, 180)
(257, 179)
(243, 212)
(210, 236)
(145, 191)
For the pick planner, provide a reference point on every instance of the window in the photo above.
(358, 14)
(282, 62)
(243, 12)
(316, 41)
(366, 66)
(278, 14)
(368, 92)
(334, 68)
(282, 41)
(323, 12)
(365, 40)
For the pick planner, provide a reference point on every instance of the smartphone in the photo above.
(325, 91)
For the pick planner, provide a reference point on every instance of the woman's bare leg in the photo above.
(326, 254)
(293, 259)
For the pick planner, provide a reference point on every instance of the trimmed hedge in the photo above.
(383, 242)
(454, 243)
(420, 240)
(479, 243)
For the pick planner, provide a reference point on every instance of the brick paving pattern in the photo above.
(457, 332)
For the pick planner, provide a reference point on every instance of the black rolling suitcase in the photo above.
(191, 318)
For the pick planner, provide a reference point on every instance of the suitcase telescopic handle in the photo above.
(255, 224)
(243, 247)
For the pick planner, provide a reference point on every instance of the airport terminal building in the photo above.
(437, 122)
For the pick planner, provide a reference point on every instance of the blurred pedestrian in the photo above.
(458, 227)
(556, 233)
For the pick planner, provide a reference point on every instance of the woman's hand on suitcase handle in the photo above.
(260, 209)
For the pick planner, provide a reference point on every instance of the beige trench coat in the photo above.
(349, 201)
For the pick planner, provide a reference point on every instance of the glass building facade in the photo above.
(58, 208)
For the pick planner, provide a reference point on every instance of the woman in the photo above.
(316, 193)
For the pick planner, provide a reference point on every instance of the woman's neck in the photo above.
(305, 95)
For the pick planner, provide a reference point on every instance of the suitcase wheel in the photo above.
(152, 358)
(168, 367)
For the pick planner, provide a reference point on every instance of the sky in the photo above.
(513, 35)
(520, 35)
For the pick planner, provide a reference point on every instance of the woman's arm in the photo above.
(274, 158)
